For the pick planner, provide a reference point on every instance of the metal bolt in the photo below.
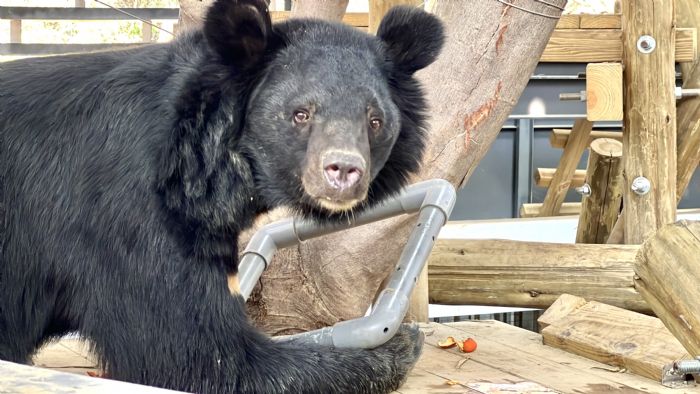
(641, 185)
(687, 367)
(584, 190)
(681, 93)
(646, 44)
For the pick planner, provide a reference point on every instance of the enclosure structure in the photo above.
(645, 167)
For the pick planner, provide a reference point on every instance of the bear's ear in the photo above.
(238, 31)
(413, 36)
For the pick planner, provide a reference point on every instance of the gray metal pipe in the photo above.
(434, 199)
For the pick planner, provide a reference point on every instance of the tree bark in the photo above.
(471, 89)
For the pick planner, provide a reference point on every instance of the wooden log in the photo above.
(531, 274)
(543, 177)
(377, 9)
(687, 118)
(578, 141)
(15, 31)
(604, 91)
(600, 209)
(614, 336)
(649, 132)
(604, 45)
(532, 210)
(668, 277)
(559, 137)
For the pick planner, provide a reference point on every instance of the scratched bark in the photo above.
(491, 51)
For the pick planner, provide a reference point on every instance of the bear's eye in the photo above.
(301, 116)
(375, 123)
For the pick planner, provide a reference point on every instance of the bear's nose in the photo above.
(343, 171)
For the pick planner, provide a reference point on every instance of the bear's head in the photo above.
(335, 120)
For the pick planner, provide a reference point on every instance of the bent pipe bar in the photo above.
(433, 199)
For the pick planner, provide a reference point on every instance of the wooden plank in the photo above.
(499, 347)
(604, 45)
(16, 378)
(559, 137)
(16, 31)
(616, 337)
(577, 144)
(601, 21)
(530, 274)
(532, 210)
(543, 177)
(599, 210)
(564, 305)
(604, 91)
(531, 342)
(649, 127)
(568, 22)
(668, 277)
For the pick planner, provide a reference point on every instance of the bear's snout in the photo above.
(342, 170)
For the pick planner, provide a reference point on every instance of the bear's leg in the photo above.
(194, 336)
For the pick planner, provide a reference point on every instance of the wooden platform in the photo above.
(507, 360)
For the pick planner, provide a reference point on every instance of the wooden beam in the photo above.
(418, 304)
(531, 274)
(577, 144)
(604, 91)
(568, 22)
(378, 8)
(668, 277)
(543, 177)
(559, 137)
(649, 132)
(600, 21)
(357, 19)
(600, 209)
(614, 336)
(15, 31)
(604, 45)
(532, 210)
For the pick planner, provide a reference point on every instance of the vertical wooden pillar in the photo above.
(79, 3)
(146, 32)
(377, 9)
(649, 132)
(599, 210)
(15, 31)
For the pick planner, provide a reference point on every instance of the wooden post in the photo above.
(79, 3)
(146, 32)
(577, 143)
(604, 177)
(688, 117)
(668, 277)
(15, 31)
(531, 274)
(377, 9)
(418, 307)
(649, 133)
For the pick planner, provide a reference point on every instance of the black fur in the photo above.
(127, 177)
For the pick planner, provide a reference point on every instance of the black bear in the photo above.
(127, 176)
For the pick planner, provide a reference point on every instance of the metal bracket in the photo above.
(681, 374)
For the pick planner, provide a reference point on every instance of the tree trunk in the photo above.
(323, 9)
(471, 89)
